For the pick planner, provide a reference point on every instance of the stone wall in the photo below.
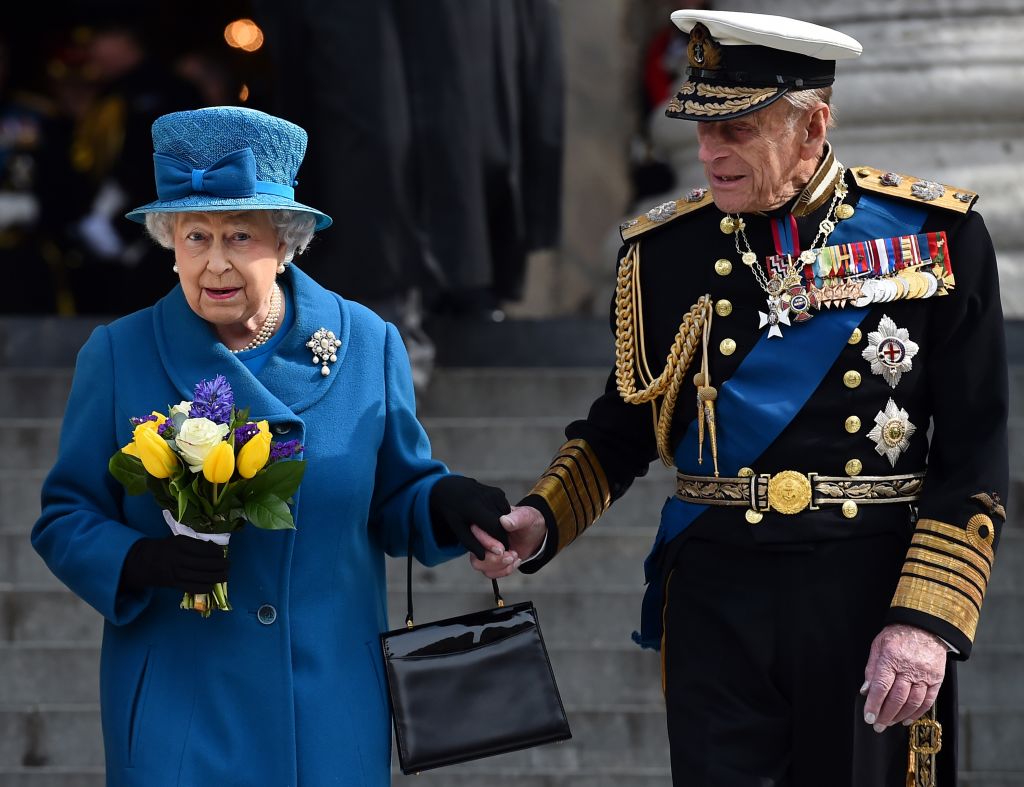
(938, 93)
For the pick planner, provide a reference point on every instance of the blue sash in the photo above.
(757, 403)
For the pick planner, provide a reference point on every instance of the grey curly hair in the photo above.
(294, 228)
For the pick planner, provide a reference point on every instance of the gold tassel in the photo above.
(706, 396)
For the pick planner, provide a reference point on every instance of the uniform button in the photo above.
(855, 337)
(723, 308)
(727, 347)
(745, 472)
(844, 211)
(853, 424)
(851, 379)
(753, 517)
(723, 267)
(854, 467)
(266, 614)
(849, 509)
(282, 429)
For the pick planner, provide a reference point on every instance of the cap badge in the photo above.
(890, 351)
(703, 51)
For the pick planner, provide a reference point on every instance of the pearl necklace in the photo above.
(269, 324)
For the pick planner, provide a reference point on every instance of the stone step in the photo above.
(570, 613)
(565, 393)
(28, 443)
(51, 671)
(34, 393)
(51, 777)
(19, 499)
(60, 742)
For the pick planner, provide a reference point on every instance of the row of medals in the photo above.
(790, 300)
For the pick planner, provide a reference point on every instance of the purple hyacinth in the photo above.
(244, 434)
(284, 450)
(213, 400)
(164, 428)
(136, 421)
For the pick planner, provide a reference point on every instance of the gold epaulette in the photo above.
(914, 189)
(665, 212)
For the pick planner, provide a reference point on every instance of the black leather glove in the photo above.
(456, 502)
(181, 562)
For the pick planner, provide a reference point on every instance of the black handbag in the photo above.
(470, 686)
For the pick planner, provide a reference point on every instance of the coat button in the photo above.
(727, 347)
(852, 424)
(723, 308)
(855, 337)
(851, 379)
(723, 267)
(282, 428)
(854, 467)
(266, 614)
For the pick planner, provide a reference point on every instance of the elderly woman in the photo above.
(286, 689)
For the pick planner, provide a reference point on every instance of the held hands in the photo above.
(526, 530)
(180, 562)
(467, 507)
(902, 678)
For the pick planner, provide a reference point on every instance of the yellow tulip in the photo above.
(157, 457)
(219, 464)
(254, 454)
(130, 450)
(263, 426)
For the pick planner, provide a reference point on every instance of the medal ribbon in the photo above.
(757, 403)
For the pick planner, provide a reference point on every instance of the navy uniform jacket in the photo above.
(957, 387)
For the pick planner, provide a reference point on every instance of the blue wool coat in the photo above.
(235, 699)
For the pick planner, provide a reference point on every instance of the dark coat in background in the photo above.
(438, 129)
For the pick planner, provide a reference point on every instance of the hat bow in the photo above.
(231, 176)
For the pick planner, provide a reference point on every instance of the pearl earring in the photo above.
(175, 268)
(280, 268)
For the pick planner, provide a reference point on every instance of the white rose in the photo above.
(196, 438)
(182, 408)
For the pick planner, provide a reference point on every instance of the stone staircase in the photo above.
(502, 426)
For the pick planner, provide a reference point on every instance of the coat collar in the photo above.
(288, 384)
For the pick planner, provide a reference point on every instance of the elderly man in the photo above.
(824, 559)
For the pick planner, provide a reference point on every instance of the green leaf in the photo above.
(129, 471)
(160, 489)
(280, 479)
(269, 512)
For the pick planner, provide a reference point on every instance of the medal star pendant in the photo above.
(890, 351)
(776, 316)
(892, 432)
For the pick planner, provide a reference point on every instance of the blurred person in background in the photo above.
(113, 270)
(444, 168)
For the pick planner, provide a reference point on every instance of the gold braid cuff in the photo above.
(631, 356)
(946, 573)
(575, 489)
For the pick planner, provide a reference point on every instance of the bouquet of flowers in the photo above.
(212, 470)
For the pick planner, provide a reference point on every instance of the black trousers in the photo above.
(764, 656)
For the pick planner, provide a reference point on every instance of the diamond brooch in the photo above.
(324, 345)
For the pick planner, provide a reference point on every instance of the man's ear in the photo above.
(815, 129)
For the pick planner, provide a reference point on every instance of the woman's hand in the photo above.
(180, 562)
(526, 531)
(462, 504)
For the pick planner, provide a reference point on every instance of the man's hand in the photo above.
(526, 530)
(903, 675)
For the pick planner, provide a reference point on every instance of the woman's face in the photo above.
(227, 263)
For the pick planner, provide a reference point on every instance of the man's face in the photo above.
(753, 163)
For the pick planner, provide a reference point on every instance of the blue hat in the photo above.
(226, 158)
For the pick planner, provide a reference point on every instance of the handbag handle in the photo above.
(498, 600)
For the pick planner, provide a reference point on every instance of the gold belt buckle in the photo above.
(790, 492)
